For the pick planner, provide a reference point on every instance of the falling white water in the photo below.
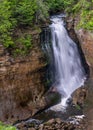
(69, 73)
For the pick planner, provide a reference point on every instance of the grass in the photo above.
(6, 127)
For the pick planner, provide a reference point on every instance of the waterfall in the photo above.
(69, 73)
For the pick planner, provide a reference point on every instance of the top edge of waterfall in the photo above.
(54, 18)
(59, 16)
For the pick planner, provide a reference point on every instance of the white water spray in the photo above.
(69, 73)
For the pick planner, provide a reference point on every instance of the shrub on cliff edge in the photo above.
(6, 127)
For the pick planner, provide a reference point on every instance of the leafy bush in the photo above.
(25, 11)
(86, 21)
(6, 127)
(55, 5)
(15, 14)
(42, 10)
(6, 23)
(12, 14)
(85, 10)
(24, 44)
(58, 5)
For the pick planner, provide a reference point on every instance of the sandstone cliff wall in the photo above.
(21, 84)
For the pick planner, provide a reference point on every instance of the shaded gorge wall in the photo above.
(45, 38)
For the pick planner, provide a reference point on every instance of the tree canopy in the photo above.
(15, 13)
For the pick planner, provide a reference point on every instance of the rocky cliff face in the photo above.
(86, 40)
(21, 84)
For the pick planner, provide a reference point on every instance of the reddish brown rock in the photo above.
(21, 84)
(79, 96)
(86, 40)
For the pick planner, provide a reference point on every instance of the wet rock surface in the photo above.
(54, 124)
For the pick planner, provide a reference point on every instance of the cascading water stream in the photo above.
(68, 71)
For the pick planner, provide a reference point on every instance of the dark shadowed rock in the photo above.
(52, 97)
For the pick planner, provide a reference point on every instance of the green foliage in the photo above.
(42, 10)
(58, 5)
(6, 127)
(26, 41)
(14, 13)
(5, 14)
(25, 11)
(55, 5)
(6, 24)
(78, 107)
(7, 40)
(24, 44)
(69, 3)
(85, 9)
(86, 21)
